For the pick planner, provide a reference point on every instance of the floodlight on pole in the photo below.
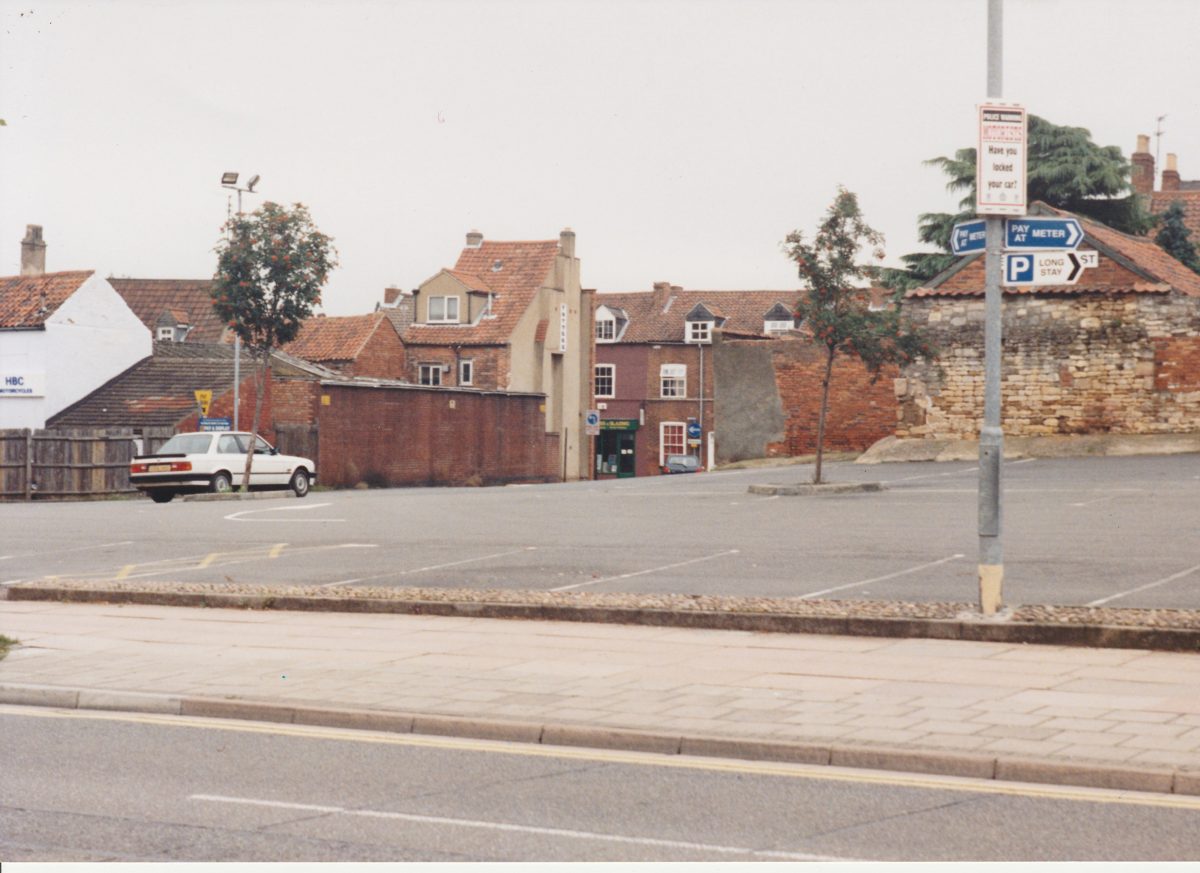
(229, 180)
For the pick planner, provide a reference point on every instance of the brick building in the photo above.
(353, 345)
(654, 370)
(1172, 188)
(510, 316)
(1119, 351)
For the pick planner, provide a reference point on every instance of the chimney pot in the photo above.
(1143, 143)
(1170, 175)
(33, 251)
(474, 239)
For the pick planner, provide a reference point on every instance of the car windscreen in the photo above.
(185, 444)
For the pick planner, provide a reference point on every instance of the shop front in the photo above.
(615, 448)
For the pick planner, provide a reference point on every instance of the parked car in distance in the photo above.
(188, 463)
(681, 464)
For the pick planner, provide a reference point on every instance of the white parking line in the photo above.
(1103, 600)
(521, 829)
(644, 572)
(879, 578)
(425, 569)
(237, 516)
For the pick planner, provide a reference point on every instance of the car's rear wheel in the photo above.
(221, 483)
(159, 496)
(299, 483)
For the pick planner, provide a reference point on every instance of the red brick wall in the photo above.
(860, 413)
(1177, 364)
(295, 401)
(490, 364)
(382, 357)
(413, 436)
(222, 407)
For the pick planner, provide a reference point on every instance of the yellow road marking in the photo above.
(208, 559)
(125, 571)
(719, 765)
(276, 549)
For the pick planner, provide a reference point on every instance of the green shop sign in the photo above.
(619, 424)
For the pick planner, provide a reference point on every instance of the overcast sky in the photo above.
(680, 140)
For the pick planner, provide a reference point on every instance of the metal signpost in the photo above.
(1000, 189)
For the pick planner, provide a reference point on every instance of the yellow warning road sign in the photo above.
(204, 398)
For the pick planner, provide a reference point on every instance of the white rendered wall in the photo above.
(91, 338)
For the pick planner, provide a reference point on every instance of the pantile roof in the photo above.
(335, 338)
(158, 391)
(27, 301)
(658, 316)
(1160, 202)
(524, 267)
(150, 298)
(1156, 272)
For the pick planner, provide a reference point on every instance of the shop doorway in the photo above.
(615, 455)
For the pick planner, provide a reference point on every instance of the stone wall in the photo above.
(1072, 364)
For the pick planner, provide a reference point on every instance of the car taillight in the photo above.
(138, 468)
(181, 466)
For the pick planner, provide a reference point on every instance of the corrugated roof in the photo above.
(150, 298)
(658, 316)
(27, 301)
(524, 267)
(334, 338)
(1144, 268)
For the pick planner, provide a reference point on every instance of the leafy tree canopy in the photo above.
(1173, 236)
(270, 270)
(1065, 169)
(835, 308)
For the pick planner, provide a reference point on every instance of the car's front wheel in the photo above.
(221, 483)
(159, 496)
(299, 483)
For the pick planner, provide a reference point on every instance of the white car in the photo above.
(214, 461)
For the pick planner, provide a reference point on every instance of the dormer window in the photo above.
(777, 326)
(443, 310)
(606, 329)
(699, 331)
(166, 333)
(610, 324)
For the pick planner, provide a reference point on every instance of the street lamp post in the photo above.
(229, 180)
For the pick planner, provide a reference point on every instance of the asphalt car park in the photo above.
(1104, 531)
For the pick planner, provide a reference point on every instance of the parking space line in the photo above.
(208, 559)
(879, 578)
(1103, 600)
(644, 572)
(125, 571)
(237, 516)
(432, 567)
(66, 551)
(275, 550)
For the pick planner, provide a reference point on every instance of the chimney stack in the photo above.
(1143, 166)
(474, 239)
(1170, 174)
(566, 242)
(33, 251)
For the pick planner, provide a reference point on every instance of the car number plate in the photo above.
(159, 468)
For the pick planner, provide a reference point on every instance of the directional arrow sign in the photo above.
(968, 236)
(1042, 233)
(1042, 268)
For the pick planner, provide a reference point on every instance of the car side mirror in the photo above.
(274, 451)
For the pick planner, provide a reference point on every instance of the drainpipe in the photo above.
(701, 420)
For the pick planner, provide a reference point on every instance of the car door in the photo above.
(273, 466)
(231, 456)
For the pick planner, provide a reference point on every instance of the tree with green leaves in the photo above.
(1065, 169)
(271, 267)
(835, 308)
(1173, 235)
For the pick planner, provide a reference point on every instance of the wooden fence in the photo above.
(69, 463)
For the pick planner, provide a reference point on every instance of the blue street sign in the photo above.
(215, 424)
(969, 236)
(1042, 233)
(693, 430)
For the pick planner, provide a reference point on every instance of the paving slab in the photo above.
(758, 695)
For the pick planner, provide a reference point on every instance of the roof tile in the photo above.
(334, 338)
(656, 316)
(27, 301)
(150, 298)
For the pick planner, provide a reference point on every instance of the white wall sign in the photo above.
(562, 327)
(16, 383)
(1000, 186)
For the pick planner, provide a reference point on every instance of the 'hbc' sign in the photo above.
(17, 384)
